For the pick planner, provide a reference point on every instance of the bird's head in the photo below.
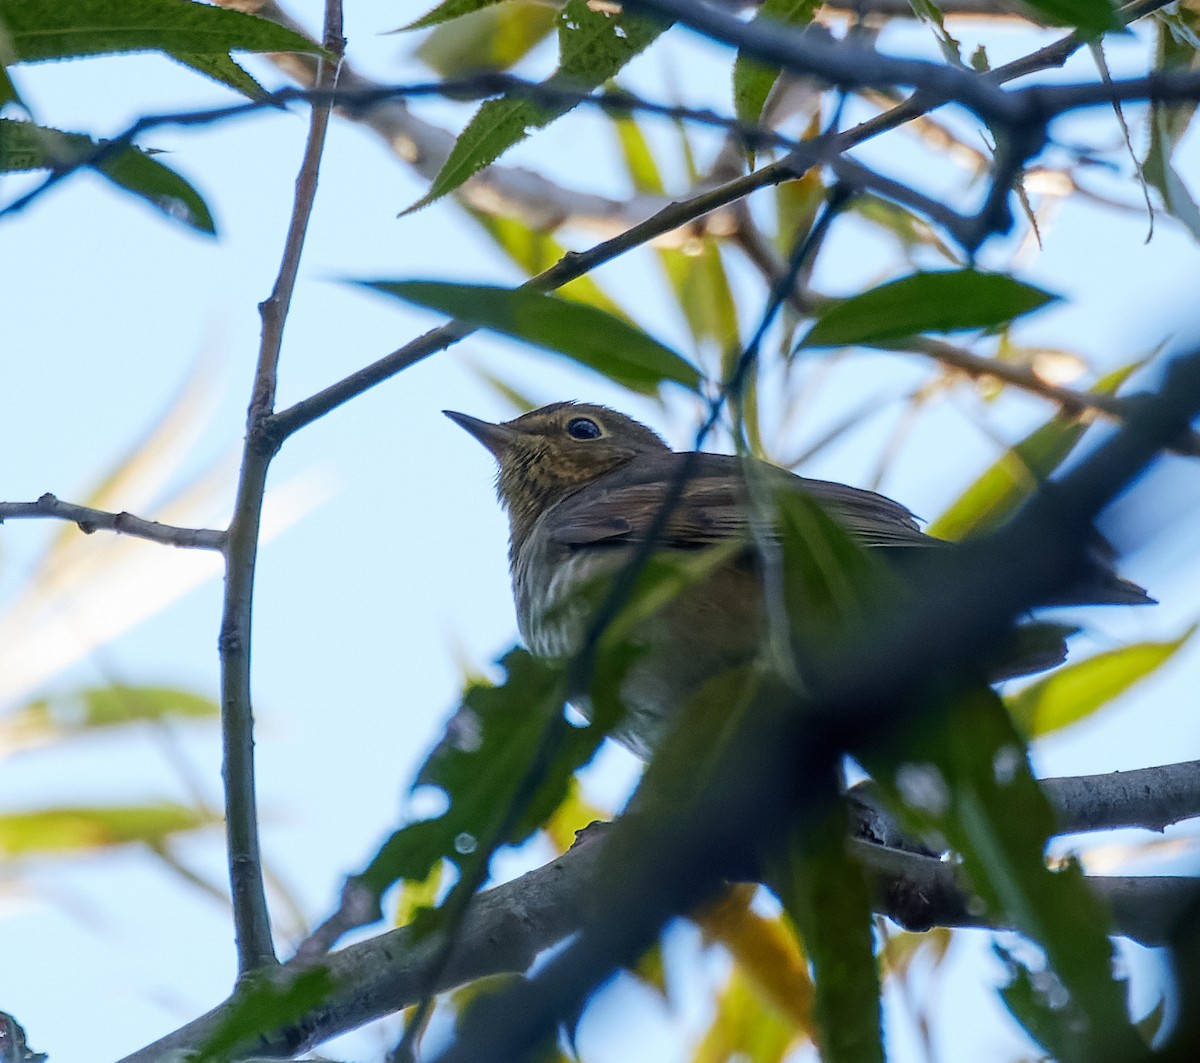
(550, 453)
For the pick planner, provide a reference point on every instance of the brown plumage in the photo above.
(583, 486)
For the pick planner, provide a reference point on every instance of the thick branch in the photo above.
(505, 928)
(92, 520)
(1152, 798)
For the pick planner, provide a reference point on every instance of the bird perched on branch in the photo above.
(585, 486)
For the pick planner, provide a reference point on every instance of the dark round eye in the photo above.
(583, 428)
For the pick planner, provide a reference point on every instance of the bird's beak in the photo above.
(495, 437)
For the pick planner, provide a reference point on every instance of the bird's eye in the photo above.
(583, 428)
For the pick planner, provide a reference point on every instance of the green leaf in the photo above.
(25, 146)
(493, 38)
(639, 159)
(945, 301)
(745, 1027)
(94, 708)
(825, 893)
(1035, 1001)
(1077, 690)
(60, 831)
(962, 772)
(262, 1005)
(752, 80)
(446, 11)
(535, 251)
(223, 68)
(72, 28)
(589, 336)
(593, 45)
(1091, 16)
(997, 494)
(481, 766)
(910, 230)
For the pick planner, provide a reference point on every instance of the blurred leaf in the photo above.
(752, 80)
(1075, 691)
(585, 334)
(696, 274)
(573, 816)
(639, 159)
(910, 230)
(99, 707)
(482, 765)
(1036, 1002)
(259, 1006)
(651, 970)
(941, 301)
(997, 494)
(963, 772)
(766, 951)
(825, 892)
(1092, 17)
(446, 11)
(25, 146)
(1161, 173)
(71, 28)
(745, 1028)
(72, 830)
(904, 947)
(492, 38)
(593, 45)
(536, 251)
(415, 895)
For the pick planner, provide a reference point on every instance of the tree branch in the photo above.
(92, 520)
(251, 918)
(503, 929)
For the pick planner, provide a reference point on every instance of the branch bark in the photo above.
(92, 520)
(505, 928)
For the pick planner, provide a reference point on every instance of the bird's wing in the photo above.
(623, 508)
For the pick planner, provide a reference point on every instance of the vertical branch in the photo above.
(251, 921)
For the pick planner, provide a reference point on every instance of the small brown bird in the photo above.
(583, 486)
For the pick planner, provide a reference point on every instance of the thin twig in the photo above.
(92, 520)
(251, 918)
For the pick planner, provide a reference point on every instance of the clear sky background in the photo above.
(387, 576)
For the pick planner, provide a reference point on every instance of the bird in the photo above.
(584, 485)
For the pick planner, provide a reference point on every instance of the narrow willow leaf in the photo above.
(589, 336)
(494, 38)
(594, 44)
(97, 708)
(71, 28)
(643, 171)
(535, 251)
(766, 952)
(745, 1027)
(25, 146)
(752, 80)
(1077, 690)
(1092, 17)
(995, 496)
(58, 831)
(446, 11)
(825, 893)
(945, 301)
(222, 67)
